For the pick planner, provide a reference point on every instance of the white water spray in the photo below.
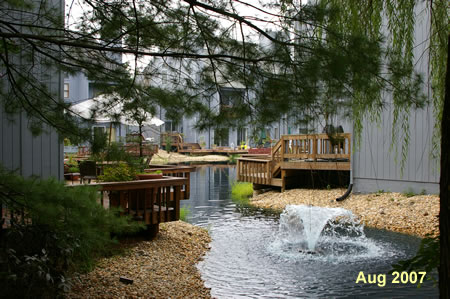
(327, 232)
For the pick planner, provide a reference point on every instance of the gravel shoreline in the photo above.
(416, 215)
(162, 268)
(163, 157)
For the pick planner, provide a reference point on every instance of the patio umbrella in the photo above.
(90, 108)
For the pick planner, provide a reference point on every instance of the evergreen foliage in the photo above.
(318, 59)
(55, 230)
(321, 58)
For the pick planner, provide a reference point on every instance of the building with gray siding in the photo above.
(20, 150)
(377, 163)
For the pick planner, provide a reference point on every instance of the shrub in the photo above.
(233, 158)
(241, 191)
(99, 142)
(409, 192)
(74, 169)
(168, 141)
(115, 152)
(184, 213)
(60, 229)
(117, 173)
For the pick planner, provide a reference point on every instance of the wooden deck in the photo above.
(175, 171)
(177, 143)
(216, 151)
(296, 153)
(151, 201)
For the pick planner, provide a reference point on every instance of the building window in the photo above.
(168, 126)
(241, 136)
(66, 90)
(221, 136)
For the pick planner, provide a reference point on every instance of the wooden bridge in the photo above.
(295, 153)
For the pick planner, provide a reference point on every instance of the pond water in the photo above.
(246, 259)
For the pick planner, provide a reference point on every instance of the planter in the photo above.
(149, 176)
(260, 151)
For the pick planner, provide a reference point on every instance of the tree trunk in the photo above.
(444, 217)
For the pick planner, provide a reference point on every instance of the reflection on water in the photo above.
(210, 194)
(244, 261)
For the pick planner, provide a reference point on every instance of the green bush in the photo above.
(233, 158)
(241, 191)
(168, 141)
(59, 229)
(184, 213)
(99, 142)
(74, 169)
(115, 152)
(117, 173)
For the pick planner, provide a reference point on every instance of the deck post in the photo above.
(314, 152)
(152, 231)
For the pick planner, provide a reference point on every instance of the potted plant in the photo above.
(75, 170)
(150, 175)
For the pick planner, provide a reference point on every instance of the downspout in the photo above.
(350, 186)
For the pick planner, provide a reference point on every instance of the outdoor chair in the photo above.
(88, 171)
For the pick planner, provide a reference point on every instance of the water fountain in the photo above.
(260, 256)
(326, 232)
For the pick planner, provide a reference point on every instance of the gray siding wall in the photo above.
(78, 88)
(374, 165)
(27, 155)
(20, 151)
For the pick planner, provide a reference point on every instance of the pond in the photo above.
(246, 259)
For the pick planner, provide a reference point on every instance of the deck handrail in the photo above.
(294, 148)
(256, 171)
(152, 201)
(316, 146)
(175, 171)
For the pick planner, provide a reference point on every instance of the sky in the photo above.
(75, 9)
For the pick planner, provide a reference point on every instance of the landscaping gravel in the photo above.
(416, 215)
(163, 157)
(161, 268)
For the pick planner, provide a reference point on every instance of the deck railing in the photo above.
(294, 148)
(176, 140)
(175, 171)
(254, 170)
(151, 201)
(316, 146)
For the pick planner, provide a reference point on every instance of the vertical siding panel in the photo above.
(27, 149)
(37, 155)
(46, 152)
(15, 144)
(7, 144)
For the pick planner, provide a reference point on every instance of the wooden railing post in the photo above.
(314, 151)
(282, 149)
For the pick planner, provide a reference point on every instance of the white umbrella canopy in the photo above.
(90, 108)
